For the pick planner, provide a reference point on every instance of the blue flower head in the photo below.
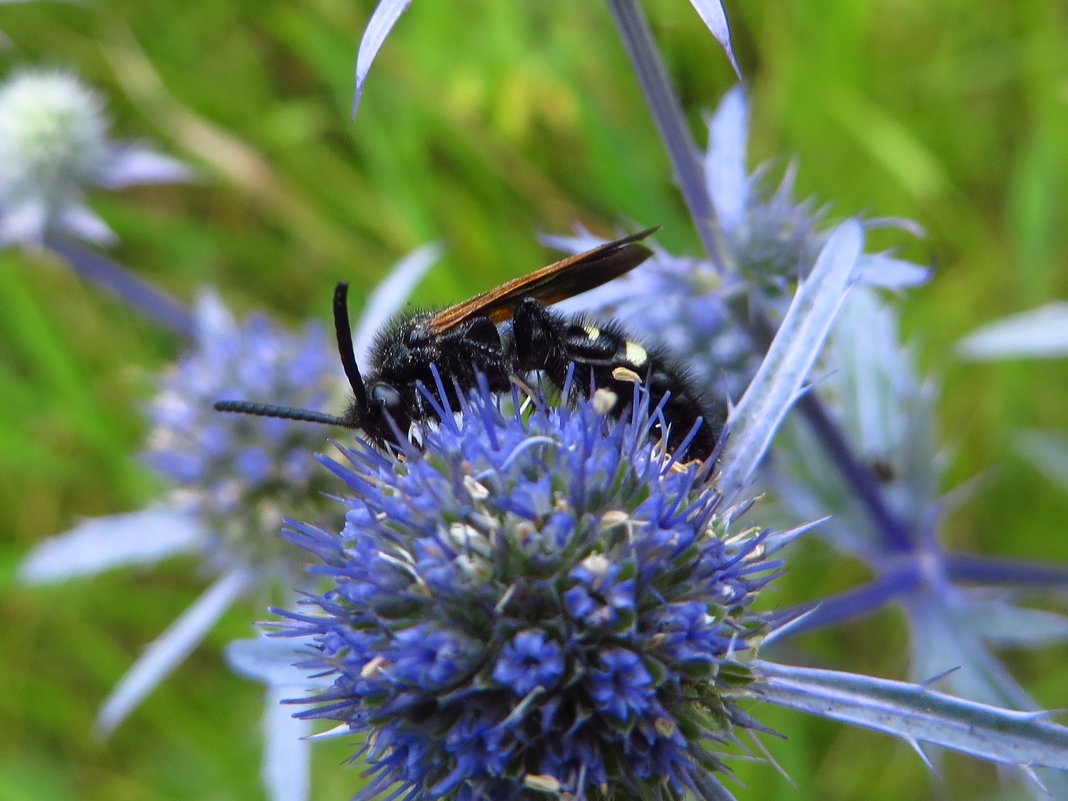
(237, 473)
(537, 600)
(228, 479)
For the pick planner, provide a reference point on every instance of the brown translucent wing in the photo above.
(560, 280)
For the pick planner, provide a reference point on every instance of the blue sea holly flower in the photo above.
(54, 145)
(536, 600)
(770, 238)
(544, 601)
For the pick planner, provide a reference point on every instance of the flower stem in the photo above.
(1017, 573)
(670, 122)
(876, 594)
(153, 303)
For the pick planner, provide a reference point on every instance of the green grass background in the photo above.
(483, 123)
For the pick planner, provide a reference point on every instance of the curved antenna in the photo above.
(283, 412)
(344, 345)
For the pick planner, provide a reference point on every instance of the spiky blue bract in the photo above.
(539, 601)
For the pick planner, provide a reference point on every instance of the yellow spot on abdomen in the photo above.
(636, 354)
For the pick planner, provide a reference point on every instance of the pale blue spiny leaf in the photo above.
(1040, 333)
(715, 18)
(171, 647)
(390, 295)
(916, 714)
(781, 376)
(385, 15)
(102, 543)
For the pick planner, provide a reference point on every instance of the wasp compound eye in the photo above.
(385, 395)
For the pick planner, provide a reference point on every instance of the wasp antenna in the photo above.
(344, 344)
(283, 412)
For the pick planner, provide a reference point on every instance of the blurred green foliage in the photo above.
(482, 124)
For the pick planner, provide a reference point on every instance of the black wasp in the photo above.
(464, 340)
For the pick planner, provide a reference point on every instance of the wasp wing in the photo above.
(560, 280)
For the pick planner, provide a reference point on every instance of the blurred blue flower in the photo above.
(54, 146)
(538, 599)
(230, 479)
(237, 474)
(955, 604)
(888, 414)
(770, 241)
